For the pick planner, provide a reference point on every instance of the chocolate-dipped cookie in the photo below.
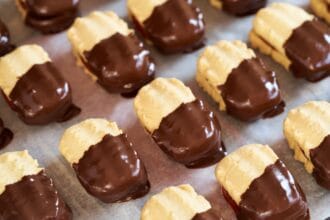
(111, 52)
(34, 87)
(307, 130)
(5, 45)
(293, 38)
(104, 161)
(178, 202)
(239, 7)
(182, 126)
(5, 135)
(171, 25)
(26, 192)
(48, 16)
(259, 186)
(239, 81)
(321, 8)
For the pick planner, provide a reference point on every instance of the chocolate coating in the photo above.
(42, 96)
(308, 48)
(121, 63)
(320, 159)
(112, 171)
(5, 135)
(175, 26)
(274, 195)
(251, 91)
(5, 45)
(50, 16)
(33, 197)
(242, 7)
(191, 135)
(208, 215)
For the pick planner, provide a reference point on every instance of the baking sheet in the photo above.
(42, 142)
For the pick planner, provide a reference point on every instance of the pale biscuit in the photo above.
(79, 138)
(320, 8)
(175, 203)
(273, 26)
(237, 171)
(14, 166)
(87, 31)
(217, 62)
(15, 64)
(216, 3)
(142, 10)
(305, 128)
(160, 98)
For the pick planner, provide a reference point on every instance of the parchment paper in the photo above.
(42, 142)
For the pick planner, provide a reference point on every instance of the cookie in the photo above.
(6, 135)
(182, 126)
(176, 202)
(29, 68)
(259, 186)
(171, 25)
(239, 81)
(104, 161)
(26, 192)
(320, 8)
(111, 52)
(239, 7)
(48, 16)
(5, 44)
(293, 38)
(307, 130)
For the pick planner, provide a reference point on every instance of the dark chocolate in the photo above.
(33, 197)
(42, 96)
(175, 26)
(251, 91)
(274, 195)
(5, 135)
(121, 63)
(112, 171)
(320, 159)
(308, 48)
(210, 214)
(191, 135)
(242, 7)
(50, 16)
(5, 45)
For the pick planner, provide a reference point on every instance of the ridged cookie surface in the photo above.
(158, 99)
(87, 31)
(237, 171)
(306, 127)
(14, 166)
(320, 8)
(175, 203)
(143, 11)
(80, 137)
(15, 64)
(217, 62)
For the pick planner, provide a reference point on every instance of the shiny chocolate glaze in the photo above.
(121, 63)
(5, 135)
(50, 16)
(207, 215)
(251, 91)
(242, 7)
(308, 48)
(191, 135)
(274, 195)
(112, 171)
(320, 159)
(33, 197)
(175, 26)
(5, 45)
(42, 96)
